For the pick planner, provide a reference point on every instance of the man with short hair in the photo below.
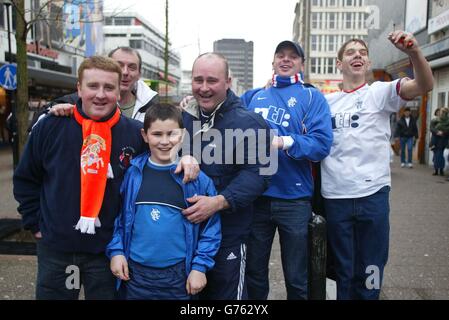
(301, 116)
(214, 112)
(68, 181)
(407, 132)
(356, 174)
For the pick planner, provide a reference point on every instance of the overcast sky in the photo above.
(265, 22)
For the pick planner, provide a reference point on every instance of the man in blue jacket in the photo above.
(216, 109)
(301, 116)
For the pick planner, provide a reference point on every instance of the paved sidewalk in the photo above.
(418, 266)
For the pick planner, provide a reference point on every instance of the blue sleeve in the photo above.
(248, 96)
(316, 141)
(28, 179)
(116, 245)
(210, 233)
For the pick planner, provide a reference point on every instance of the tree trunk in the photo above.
(22, 111)
(166, 60)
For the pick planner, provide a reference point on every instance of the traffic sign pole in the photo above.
(8, 80)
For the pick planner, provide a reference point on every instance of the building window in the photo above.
(332, 43)
(315, 20)
(314, 42)
(331, 3)
(135, 44)
(315, 65)
(349, 3)
(441, 99)
(316, 3)
(122, 21)
(361, 20)
(332, 20)
(348, 20)
(2, 17)
(330, 66)
(313, 62)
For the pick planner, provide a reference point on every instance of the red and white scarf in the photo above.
(95, 158)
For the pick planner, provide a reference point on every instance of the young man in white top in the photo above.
(356, 175)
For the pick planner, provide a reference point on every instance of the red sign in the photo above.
(31, 47)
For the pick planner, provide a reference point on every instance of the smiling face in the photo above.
(210, 81)
(99, 92)
(163, 138)
(287, 62)
(354, 60)
(129, 63)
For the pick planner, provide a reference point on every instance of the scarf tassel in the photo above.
(87, 225)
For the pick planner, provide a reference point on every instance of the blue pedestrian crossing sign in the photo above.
(8, 76)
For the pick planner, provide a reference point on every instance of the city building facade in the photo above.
(321, 27)
(131, 29)
(428, 20)
(63, 34)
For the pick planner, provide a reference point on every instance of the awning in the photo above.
(170, 78)
(52, 78)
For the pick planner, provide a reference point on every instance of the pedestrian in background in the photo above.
(439, 140)
(407, 131)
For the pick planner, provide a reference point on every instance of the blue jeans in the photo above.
(291, 218)
(406, 143)
(358, 235)
(59, 275)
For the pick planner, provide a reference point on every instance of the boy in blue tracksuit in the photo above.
(156, 251)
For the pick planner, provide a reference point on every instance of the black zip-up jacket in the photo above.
(240, 184)
(404, 131)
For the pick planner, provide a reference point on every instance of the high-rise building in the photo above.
(239, 54)
(321, 27)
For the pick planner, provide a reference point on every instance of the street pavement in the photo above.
(418, 266)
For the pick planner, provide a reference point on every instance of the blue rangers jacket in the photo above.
(203, 240)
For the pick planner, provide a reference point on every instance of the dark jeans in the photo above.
(147, 283)
(438, 158)
(291, 218)
(358, 235)
(60, 274)
(406, 142)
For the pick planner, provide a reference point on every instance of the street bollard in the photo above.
(317, 244)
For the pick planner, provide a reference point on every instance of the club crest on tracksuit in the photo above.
(155, 214)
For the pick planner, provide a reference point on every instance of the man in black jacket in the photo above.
(407, 131)
(233, 161)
